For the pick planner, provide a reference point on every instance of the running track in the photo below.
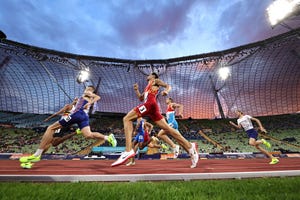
(147, 170)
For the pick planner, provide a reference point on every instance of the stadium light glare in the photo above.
(224, 72)
(82, 76)
(280, 10)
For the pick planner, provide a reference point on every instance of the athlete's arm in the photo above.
(93, 99)
(238, 126)
(150, 126)
(165, 85)
(137, 92)
(259, 124)
(179, 107)
(61, 111)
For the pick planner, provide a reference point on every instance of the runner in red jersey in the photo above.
(150, 108)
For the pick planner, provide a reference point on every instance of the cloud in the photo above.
(139, 29)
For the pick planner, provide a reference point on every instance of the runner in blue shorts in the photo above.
(244, 121)
(78, 116)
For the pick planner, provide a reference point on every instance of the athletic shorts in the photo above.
(139, 137)
(146, 137)
(149, 109)
(174, 124)
(80, 118)
(252, 133)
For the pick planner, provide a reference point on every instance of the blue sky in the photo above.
(136, 29)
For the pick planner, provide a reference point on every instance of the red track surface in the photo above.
(102, 167)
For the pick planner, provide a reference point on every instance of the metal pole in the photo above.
(217, 97)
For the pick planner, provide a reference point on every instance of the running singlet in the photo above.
(149, 94)
(149, 107)
(80, 105)
(170, 114)
(141, 127)
(245, 122)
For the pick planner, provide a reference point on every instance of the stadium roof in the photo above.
(264, 79)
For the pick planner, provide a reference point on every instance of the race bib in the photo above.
(67, 118)
(142, 109)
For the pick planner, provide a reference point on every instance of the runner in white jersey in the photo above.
(245, 122)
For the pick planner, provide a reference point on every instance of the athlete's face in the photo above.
(150, 76)
(89, 89)
(167, 100)
(238, 113)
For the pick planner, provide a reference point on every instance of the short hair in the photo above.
(240, 111)
(90, 86)
(155, 75)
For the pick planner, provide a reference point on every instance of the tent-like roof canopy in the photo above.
(264, 79)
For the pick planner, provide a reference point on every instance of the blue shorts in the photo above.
(80, 118)
(174, 124)
(139, 137)
(252, 133)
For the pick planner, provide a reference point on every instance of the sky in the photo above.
(136, 29)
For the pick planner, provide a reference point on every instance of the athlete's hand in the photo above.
(164, 93)
(230, 122)
(180, 116)
(136, 86)
(262, 129)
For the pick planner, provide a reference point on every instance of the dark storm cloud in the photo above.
(245, 22)
(150, 22)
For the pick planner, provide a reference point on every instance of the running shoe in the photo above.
(32, 158)
(27, 165)
(124, 157)
(194, 156)
(176, 151)
(267, 144)
(163, 146)
(78, 131)
(112, 140)
(274, 161)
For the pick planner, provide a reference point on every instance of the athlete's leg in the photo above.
(162, 135)
(44, 144)
(88, 134)
(256, 144)
(48, 135)
(128, 128)
(58, 140)
(175, 134)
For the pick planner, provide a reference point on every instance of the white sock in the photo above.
(38, 152)
(105, 137)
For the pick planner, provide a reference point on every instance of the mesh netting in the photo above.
(264, 79)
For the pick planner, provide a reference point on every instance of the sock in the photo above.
(105, 137)
(38, 152)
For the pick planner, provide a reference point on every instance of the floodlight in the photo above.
(279, 10)
(82, 76)
(224, 72)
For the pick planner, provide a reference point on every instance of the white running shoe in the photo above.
(194, 156)
(176, 151)
(123, 158)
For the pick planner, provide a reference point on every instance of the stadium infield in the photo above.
(146, 170)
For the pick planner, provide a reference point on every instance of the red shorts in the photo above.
(146, 136)
(149, 109)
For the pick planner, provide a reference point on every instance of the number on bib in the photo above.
(142, 109)
(67, 118)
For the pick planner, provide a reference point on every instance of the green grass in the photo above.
(263, 188)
